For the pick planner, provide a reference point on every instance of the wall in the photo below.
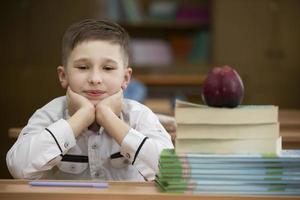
(261, 40)
(31, 34)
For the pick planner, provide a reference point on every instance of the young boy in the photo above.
(92, 132)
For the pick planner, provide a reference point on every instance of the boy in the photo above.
(91, 133)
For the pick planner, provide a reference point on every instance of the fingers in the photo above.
(74, 95)
(76, 98)
(115, 96)
(70, 92)
(120, 93)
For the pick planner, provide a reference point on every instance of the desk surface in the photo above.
(19, 189)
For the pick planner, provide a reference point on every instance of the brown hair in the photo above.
(92, 29)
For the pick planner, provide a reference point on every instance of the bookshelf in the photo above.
(167, 25)
(173, 43)
(171, 79)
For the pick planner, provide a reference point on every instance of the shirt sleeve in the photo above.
(39, 146)
(142, 146)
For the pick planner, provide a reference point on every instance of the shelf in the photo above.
(184, 40)
(170, 79)
(176, 25)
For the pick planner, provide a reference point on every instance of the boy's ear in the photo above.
(127, 76)
(62, 77)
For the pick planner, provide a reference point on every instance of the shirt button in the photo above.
(72, 167)
(127, 155)
(94, 146)
(66, 145)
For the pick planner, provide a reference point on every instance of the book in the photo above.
(114, 11)
(241, 189)
(200, 49)
(191, 172)
(242, 174)
(190, 113)
(132, 10)
(228, 146)
(285, 155)
(150, 52)
(266, 176)
(168, 164)
(270, 166)
(227, 131)
(206, 182)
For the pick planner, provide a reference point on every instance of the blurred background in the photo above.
(174, 44)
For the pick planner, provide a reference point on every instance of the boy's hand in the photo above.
(77, 102)
(113, 103)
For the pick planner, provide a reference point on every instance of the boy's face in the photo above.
(95, 70)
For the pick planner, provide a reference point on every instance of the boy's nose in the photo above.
(95, 78)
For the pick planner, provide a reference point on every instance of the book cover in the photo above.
(244, 189)
(243, 171)
(227, 131)
(190, 113)
(228, 146)
(168, 164)
(168, 176)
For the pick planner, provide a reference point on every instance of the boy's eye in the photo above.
(82, 67)
(108, 67)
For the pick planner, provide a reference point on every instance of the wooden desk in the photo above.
(19, 189)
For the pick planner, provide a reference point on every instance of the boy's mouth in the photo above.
(94, 93)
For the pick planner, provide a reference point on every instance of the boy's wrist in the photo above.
(102, 111)
(88, 115)
(81, 119)
(111, 122)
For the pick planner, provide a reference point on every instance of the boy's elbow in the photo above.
(18, 172)
(16, 168)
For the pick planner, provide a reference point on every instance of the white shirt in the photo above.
(47, 148)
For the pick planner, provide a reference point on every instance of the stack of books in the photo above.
(248, 174)
(246, 129)
(228, 151)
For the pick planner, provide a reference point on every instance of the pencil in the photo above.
(69, 184)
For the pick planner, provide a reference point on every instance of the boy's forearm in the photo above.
(80, 120)
(117, 128)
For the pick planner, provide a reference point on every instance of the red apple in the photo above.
(223, 87)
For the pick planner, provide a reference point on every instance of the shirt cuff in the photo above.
(63, 135)
(131, 144)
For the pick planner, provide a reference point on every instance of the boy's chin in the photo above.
(94, 102)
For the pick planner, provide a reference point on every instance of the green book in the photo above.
(287, 155)
(246, 189)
